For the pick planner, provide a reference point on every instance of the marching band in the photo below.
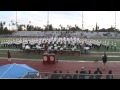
(57, 43)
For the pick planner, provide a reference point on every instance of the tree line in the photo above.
(29, 27)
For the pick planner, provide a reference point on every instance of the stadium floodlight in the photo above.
(115, 24)
(115, 19)
(16, 20)
(48, 20)
(82, 20)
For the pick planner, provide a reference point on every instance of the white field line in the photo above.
(58, 60)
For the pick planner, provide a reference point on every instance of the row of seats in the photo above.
(64, 33)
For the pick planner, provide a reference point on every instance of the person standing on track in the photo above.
(104, 58)
(9, 55)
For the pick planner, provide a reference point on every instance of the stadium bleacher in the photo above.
(66, 34)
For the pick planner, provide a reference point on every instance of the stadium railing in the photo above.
(49, 75)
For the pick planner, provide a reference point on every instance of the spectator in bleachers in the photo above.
(60, 75)
(54, 75)
(46, 76)
(98, 74)
(90, 76)
(82, 72)
(109, 76)
(67, 76)
(75, 76)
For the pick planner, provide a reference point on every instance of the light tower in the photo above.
(16, 20)
(82, 21)
(48, 20)
(115, 25)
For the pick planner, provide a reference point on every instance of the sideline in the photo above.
(58, 60)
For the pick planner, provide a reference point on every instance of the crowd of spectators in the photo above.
(82, 74)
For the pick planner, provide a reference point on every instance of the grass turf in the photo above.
(117, 41)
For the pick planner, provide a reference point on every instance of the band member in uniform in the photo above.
(115, 47)
(9, 55)
(111, 45)
(46, 48)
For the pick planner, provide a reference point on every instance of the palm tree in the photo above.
(45, 27)
(29, 22)
(76, 27)
(9, 26)
(50, 27)
(24, 27)
(68, 27)
(30, 25)
(60, 27)
(4, 23)
(0, 25)
(12, 23)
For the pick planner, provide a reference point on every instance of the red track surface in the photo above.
(66, 66)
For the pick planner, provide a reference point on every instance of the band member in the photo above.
(46, 48)
(111, 45)
(115, 47)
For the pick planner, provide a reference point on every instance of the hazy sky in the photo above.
(39, 18)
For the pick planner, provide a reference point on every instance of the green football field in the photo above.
(112, 54)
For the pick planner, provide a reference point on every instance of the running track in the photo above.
(65, 66)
